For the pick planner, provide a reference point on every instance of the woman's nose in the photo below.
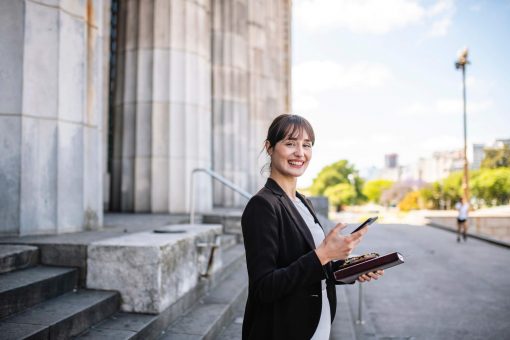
(299, 150)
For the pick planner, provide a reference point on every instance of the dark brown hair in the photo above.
(287, 125)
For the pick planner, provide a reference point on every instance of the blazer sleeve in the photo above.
(260, 225)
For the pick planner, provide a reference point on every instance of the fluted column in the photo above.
(163, 105)
(269, 66)
(51, 115)
(230, 97)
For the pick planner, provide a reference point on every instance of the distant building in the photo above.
(391, 160)
(478, 155)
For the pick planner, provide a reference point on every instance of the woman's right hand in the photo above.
(337, 246)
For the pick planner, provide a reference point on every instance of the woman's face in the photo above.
(290, 156)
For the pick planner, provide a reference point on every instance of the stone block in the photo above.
(92, 176)
(159, 185)
(177, 75)
(161, 24)
(130, 72)
(71, 75)
(142, 184)
(145, 24)
(76, 7)
(38, 205)
(160, 129)
(10, 174)
(150, 270)
(143, 127)
(145, 72)
(15, 257)
(179, 186)
(177, 122)
(11, 50)
(70, 172)
(177, 22)
(40, 63)
(191, 75)
(161, 78)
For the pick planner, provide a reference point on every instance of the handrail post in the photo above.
(192, 199)
(360, 305)
(217, 177)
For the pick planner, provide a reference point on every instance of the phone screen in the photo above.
(368, 222)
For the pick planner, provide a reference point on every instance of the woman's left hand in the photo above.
(369, 276)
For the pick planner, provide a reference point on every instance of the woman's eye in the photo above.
(308, 145)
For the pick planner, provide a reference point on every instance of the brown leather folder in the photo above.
(354, 267)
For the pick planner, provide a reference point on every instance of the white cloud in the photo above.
(319, 76)
(440, 27)
(371, 16)
(304, 103)
(447, 107)
(440, 143)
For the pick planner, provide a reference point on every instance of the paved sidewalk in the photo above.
(445, 290)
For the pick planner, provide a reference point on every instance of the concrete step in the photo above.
(24, 288)
(62, 317)
(234, 330)
(15, 257)
(143, 326)
(213, 313)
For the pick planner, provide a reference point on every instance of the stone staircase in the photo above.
(43, 302)
(40, 299)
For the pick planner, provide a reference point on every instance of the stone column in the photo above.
(251, 85)
(51, 102)
(269, 66)
(230, 97)
(162, 116)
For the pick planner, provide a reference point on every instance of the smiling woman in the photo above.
(289, 259)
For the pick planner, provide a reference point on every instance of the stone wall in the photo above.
(51, 105)
(197, 85)
(496, 227)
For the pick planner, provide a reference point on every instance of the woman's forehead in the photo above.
(297, 133)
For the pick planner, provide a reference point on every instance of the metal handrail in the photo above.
(220, 179)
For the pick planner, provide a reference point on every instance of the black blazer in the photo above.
(284, 296)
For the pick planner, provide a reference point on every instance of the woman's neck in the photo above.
(288, 184)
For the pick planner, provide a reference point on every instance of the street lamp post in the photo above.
(461, 63)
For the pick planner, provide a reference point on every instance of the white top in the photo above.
(324, 327)
(463, 209)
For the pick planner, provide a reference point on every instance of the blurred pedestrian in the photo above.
(290, 260)
(462, 219)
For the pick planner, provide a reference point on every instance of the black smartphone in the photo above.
(368, 222)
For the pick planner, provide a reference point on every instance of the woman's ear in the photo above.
(268, 148)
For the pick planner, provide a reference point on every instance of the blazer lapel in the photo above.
(292, 210)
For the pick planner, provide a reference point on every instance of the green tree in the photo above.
(340, 194)
(337, 173)
(373, 189)
(496, 158)
(492, 186)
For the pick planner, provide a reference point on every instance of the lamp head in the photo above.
(462, 56)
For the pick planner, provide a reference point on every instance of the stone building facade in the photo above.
(110, 105)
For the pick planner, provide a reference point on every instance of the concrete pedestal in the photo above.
(151, 270)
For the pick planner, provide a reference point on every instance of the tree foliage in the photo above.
(340, 194)
(327, 183)
(411, 201)
(492, 186)
(496, 158)
(488, 187)
(373, 189)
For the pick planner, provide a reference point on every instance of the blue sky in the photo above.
(377, 77)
